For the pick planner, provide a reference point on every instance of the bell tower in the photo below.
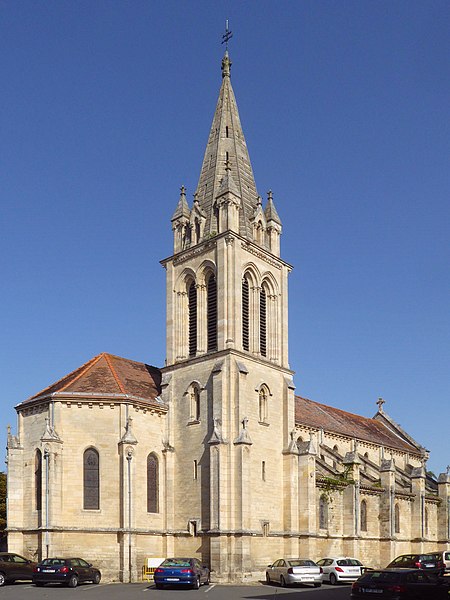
(227, 379)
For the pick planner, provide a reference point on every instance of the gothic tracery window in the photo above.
(363, 515)
(245, 314)
(192, 317)
(152, 484)
(263, 322)
(91, 480)
(323, 513)
(397, 519)
(211, 316)
(38, 479)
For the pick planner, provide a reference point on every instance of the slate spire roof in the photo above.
(107, 375)
(227, 149)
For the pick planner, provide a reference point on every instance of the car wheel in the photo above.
(97, 578)
(333, 579)
(2, 579)
(159, 586)
(317, 584)
(207, 580)
(197, 584)
(73, 581)
(282, 581)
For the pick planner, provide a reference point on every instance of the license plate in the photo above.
(371, 591)
(430, 565)
(307, 579)
(172, 579)
(353, 570)
(48, 570)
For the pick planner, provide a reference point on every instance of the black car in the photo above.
(68, 571)
(181, 571)
(13, 566)
(400, 584)
(431, 562)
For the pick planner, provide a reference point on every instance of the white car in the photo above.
(290, 571)
(340, 569)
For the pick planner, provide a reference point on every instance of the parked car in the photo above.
(446, 558)
(294, 570)
(431, 562)
(68, 571)
(181, 571)
(400, 584)
(340, 569)
(13, 566)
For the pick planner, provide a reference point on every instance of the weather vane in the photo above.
(227, 35)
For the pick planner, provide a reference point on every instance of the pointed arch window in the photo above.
(323, 513)
(363, 515)
(194, 395)
(245, 314)
(192, 312)
(91, 479)
(263, 322)
(211, 317)
(152, 484)
(397, 519)
(263, 405)
(38, 479)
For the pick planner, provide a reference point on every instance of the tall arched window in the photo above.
(194, 395)
(363, 515)
(38, 479)
(152, 484)
(323, 513)
(245, 315)
(263, 322)
(397, 519)
(263, 409)
(192, 312)
(91, 480)
(211, 314)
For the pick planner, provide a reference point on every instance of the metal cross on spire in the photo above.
(227, 35)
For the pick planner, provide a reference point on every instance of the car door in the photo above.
(325, 563)
(420, 586)
(21, 568)
(86, 568)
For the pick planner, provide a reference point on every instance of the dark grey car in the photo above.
(15, 567)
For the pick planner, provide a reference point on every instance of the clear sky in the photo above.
(105, 111)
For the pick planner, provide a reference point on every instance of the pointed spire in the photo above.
(226, 142)
(182, 209)
(271, 211)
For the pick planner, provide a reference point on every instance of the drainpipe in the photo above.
(129, 458)
(47, 466)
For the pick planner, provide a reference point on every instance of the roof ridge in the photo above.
(82, 370)
(114, 373)
(64, 377)
(338, 409)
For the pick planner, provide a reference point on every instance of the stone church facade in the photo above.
(214, 455)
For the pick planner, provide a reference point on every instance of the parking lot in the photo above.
(142, 591)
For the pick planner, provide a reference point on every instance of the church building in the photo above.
(213, 455)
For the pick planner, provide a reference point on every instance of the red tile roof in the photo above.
(314, 414)
(109, 375)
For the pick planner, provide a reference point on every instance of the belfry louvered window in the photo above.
(192, 300)
(211, 288)
(152, 483)
(263, 323)
(38, 479)
(245, 315)
(91, 480)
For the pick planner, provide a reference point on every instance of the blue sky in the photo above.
(105, 112)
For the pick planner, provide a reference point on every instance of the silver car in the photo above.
(287, 571)
(340, 569)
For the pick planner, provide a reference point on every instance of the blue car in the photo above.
(181, 571)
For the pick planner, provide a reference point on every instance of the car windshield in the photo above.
(53, 561)
(349, 562)
(375, 576)
(176, 562)
(301, 563)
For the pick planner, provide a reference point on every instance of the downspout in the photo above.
(129, 458)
